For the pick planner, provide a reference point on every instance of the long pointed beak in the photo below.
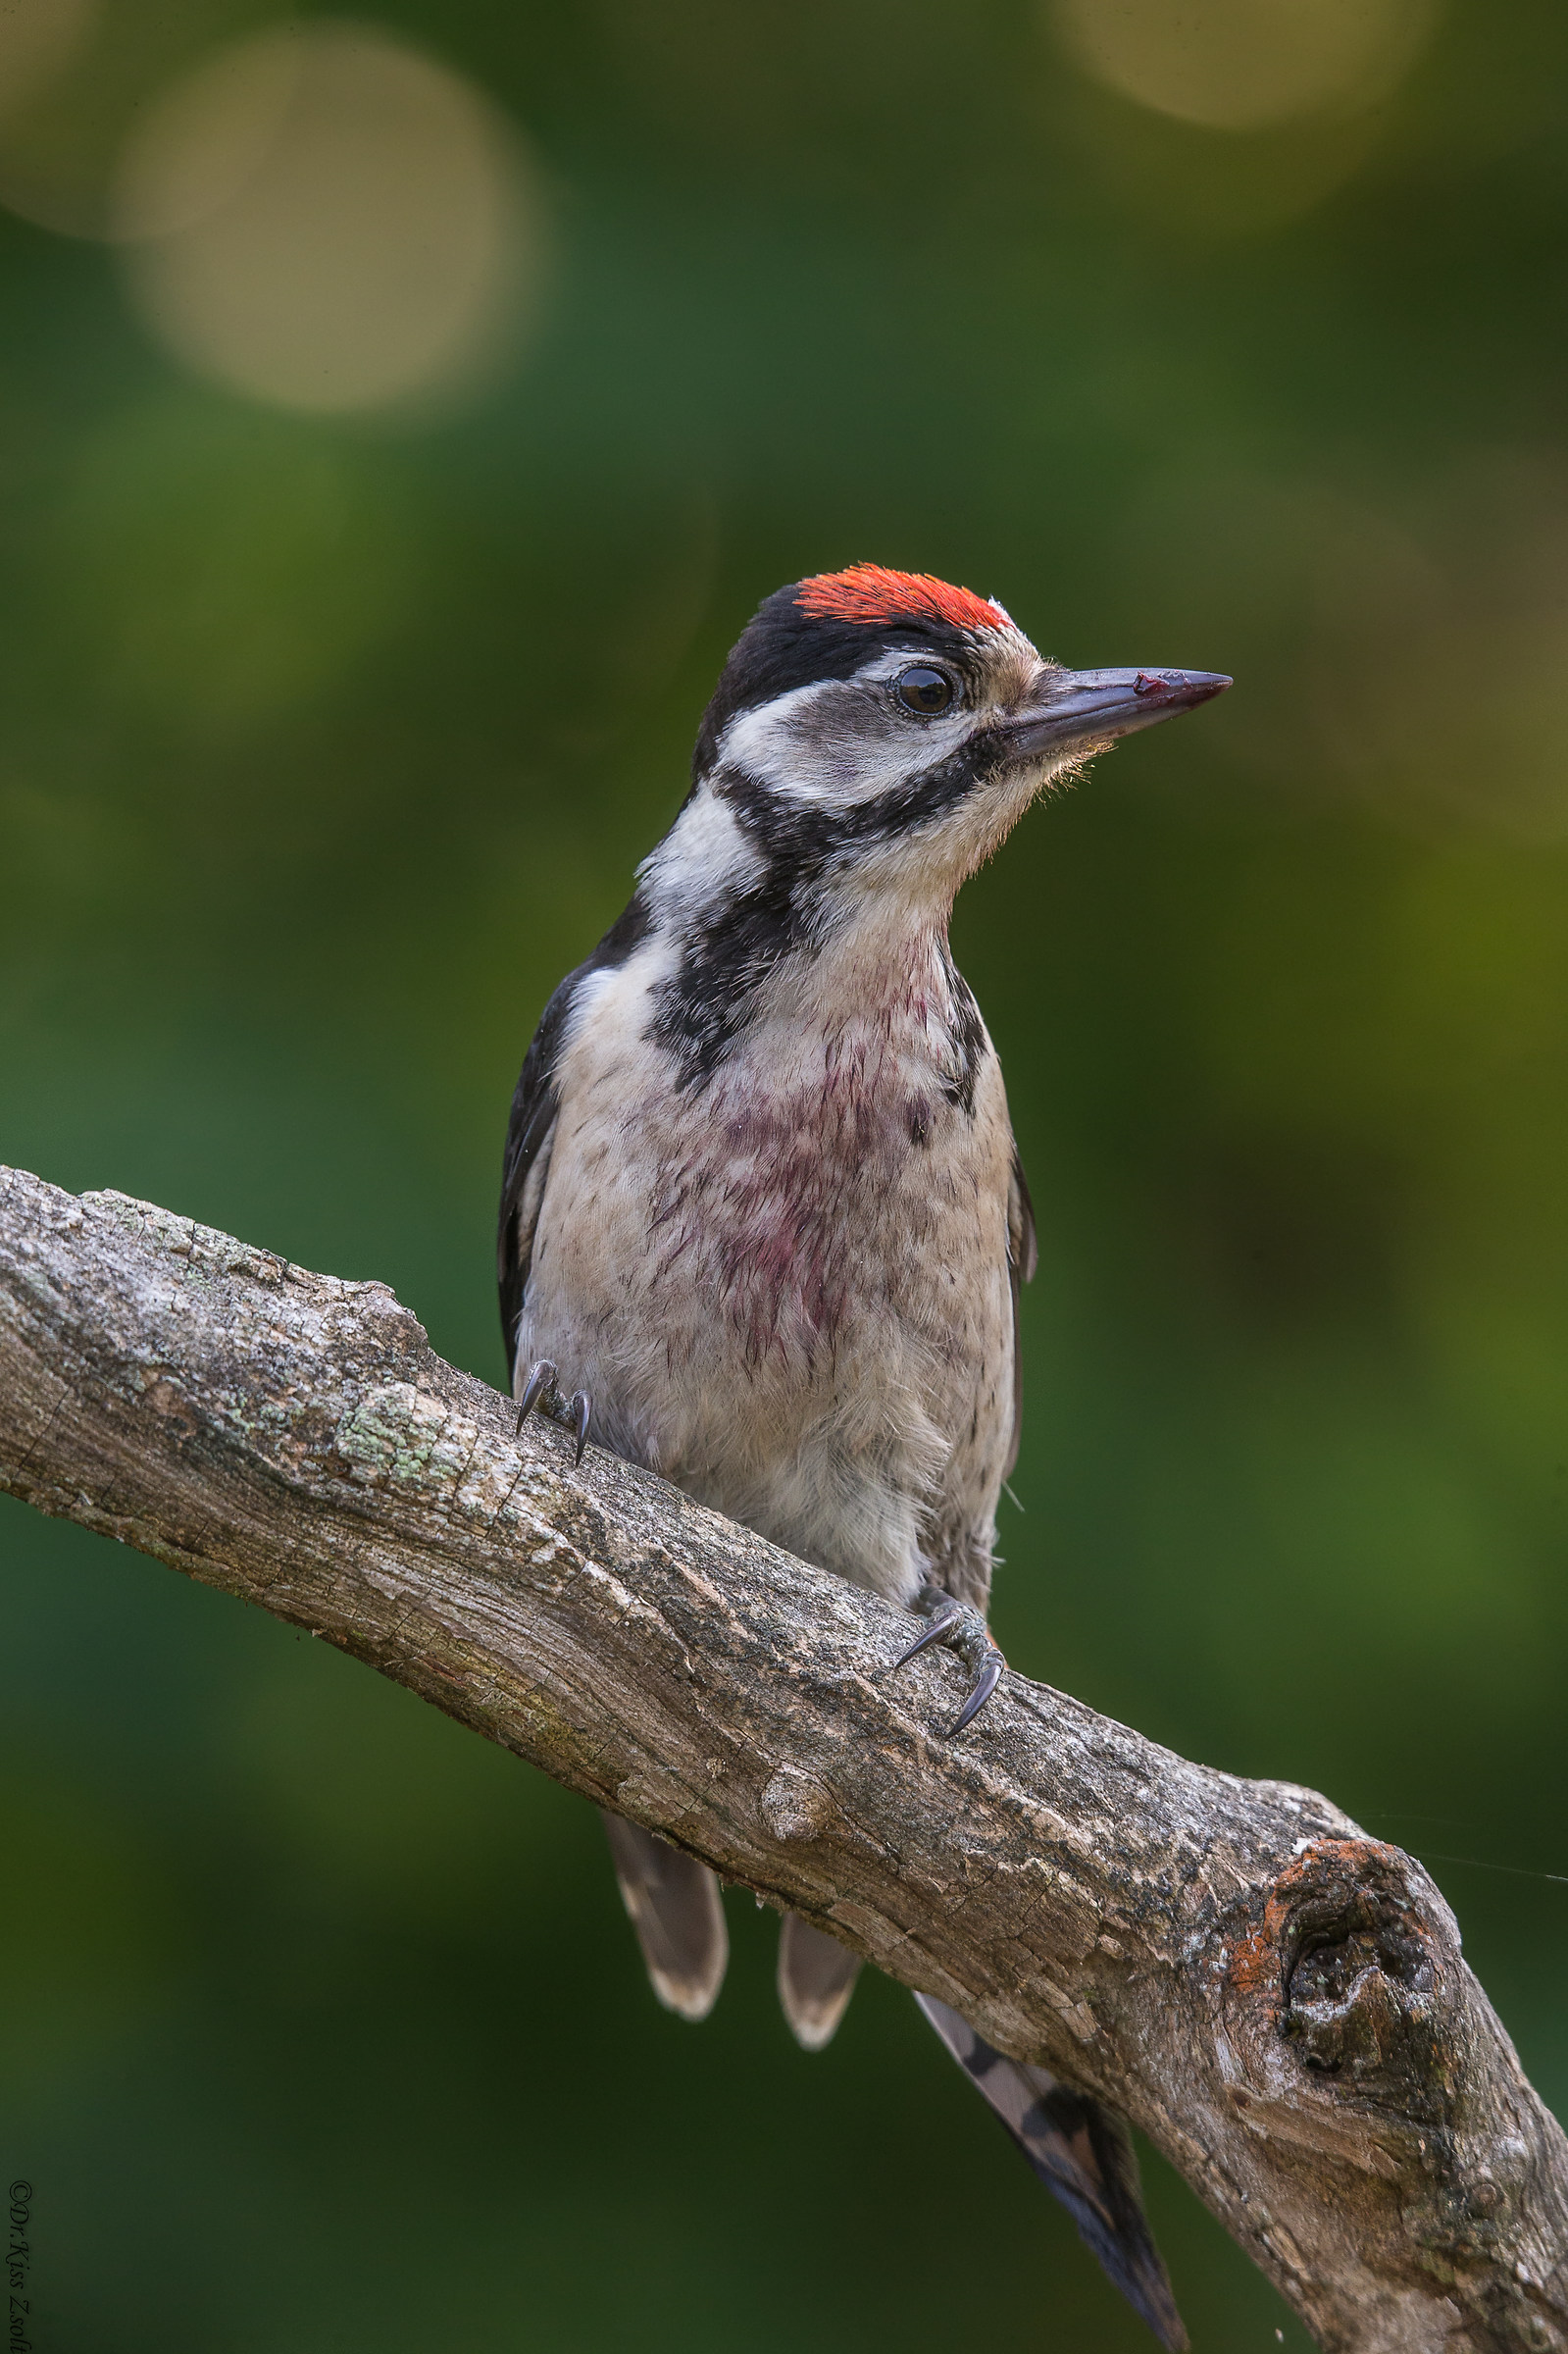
(1082, 707)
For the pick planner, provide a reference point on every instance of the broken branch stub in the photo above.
(1278, 2001)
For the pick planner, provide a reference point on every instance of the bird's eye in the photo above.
(924, 690)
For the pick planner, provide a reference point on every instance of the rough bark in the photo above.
(1277, 2000)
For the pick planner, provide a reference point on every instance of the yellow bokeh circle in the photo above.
(326, 220)
(1242, 65)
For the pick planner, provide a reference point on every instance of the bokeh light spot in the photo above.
(327, 221)
(1241, 64)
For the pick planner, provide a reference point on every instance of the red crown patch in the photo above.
(870, 593)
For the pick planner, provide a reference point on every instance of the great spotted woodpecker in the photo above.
(762, 1214)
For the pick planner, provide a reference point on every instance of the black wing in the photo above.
(1023, 1257)
(1083, 2155)
(531, 1131)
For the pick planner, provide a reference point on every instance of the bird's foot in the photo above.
(543, 1390)
(958, 1627)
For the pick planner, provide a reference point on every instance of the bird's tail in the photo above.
(1082, 2153)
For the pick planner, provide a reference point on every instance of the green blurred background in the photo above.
(344, 676)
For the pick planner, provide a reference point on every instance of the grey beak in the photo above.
(1082, 707)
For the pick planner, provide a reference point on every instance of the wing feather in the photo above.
(1023, 1257)
(674, 1904)
(524, 1168)
(816, 1978)
(530, 1130)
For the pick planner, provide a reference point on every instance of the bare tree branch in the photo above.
(1277, 2000)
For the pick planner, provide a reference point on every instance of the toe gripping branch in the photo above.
(958, 1627)
(543, 1390)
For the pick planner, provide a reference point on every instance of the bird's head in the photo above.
(883, 728)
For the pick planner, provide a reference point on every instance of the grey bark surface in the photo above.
(1277, 2000)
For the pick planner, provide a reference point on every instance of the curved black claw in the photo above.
(941, 1618)
(581, 1408)
(959, 1627)
(538, 1389)
(980, 1691)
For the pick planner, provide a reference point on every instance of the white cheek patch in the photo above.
(827, 746)
(766, 744)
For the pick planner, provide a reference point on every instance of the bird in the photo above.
(763, 1222)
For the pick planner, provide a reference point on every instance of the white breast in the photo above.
(786, 1289)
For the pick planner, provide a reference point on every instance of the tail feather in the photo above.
(1082, 2153)
(816, 1978)
(674, 1905)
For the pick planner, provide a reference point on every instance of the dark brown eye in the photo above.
(924, 688)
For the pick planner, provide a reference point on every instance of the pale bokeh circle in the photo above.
(326, 220)
(1241, 64)
(39, 38)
